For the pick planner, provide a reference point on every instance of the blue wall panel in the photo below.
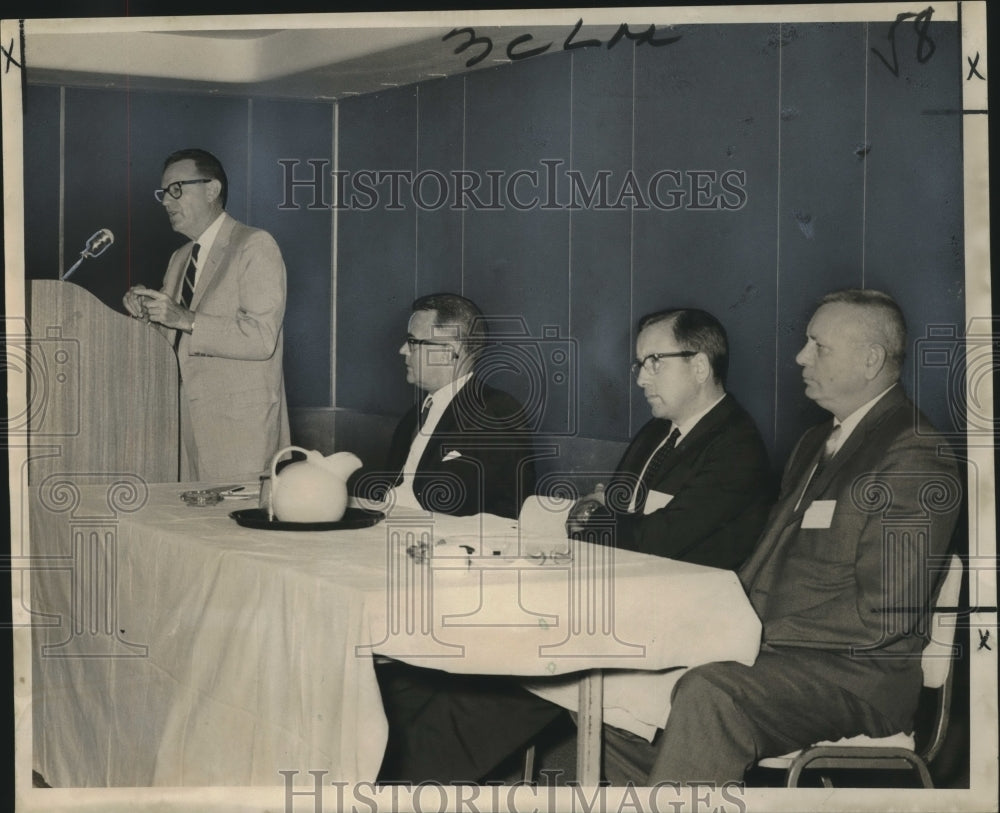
(376, 261)
(821, 216)
(600, 302)
(296, 130)
(517, 256)
(705, 106)
(440, 135)
(914, 240)
(97, 189)
(41, 188)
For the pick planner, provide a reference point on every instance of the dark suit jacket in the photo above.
(721, 486)
(854, 599)
(479, 459)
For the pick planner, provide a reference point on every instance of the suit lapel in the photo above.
(173, 280)
(709, 422)
(209, 270)
(785, 515)
(858, 439)
(446, 425)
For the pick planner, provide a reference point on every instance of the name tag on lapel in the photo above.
(819, 514)
(655, 501)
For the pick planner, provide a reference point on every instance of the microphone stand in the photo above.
(83, 256)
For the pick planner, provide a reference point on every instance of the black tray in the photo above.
(353, 518)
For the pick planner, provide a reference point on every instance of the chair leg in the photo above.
(925, 775)
(794, 772)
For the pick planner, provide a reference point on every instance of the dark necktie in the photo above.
(422, 419)
(655, 464)
(187, 287)
(829, 449)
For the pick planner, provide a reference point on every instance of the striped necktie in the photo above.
(187, 290)
(187, 287)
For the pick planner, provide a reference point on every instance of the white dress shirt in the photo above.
(402, 494)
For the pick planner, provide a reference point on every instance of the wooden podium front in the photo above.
(102, 390)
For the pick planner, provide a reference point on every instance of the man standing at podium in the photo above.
(223, 299)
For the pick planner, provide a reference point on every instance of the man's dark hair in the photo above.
(886, 325)
(207, 164)
(695, 330)
(457, 311)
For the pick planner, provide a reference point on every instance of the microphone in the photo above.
(98, 242)
(96, 245)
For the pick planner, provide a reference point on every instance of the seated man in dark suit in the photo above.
(846, 571)
(694, 484)
(466, 448)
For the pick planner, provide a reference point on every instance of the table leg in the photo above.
(589, 723)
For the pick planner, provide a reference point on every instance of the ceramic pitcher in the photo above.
(311, 490)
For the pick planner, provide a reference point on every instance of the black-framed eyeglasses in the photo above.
(176, 189)
(413, 342)
(651, 363)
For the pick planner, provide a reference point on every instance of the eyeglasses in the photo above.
(176, 189)
(413, 342)
(651, 363)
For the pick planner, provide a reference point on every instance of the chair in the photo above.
(899, 750)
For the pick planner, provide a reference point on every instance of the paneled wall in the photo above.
(848, 176)
(852, 178)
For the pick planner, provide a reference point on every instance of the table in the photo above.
(173, 647)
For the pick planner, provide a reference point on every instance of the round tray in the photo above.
(353, 518)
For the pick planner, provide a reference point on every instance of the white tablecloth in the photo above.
(174, 647)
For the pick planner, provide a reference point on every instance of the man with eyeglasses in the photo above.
(465, 447)
(223, 301)
(695, 483)
(845, 574)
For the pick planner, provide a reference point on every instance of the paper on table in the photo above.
(545, 516)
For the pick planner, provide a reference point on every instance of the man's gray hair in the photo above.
(886, 324)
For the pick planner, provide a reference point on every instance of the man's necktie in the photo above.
(422, 419)
(829, 450)
(187, 287)
(656, 463)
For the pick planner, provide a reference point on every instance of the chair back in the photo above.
(939, 653)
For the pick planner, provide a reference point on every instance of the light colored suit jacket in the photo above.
(844, 579)
(233, 411)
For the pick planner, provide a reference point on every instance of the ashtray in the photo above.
(202, 497)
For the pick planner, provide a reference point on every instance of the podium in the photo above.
(102, 394)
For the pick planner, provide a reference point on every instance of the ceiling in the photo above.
(303, 62)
